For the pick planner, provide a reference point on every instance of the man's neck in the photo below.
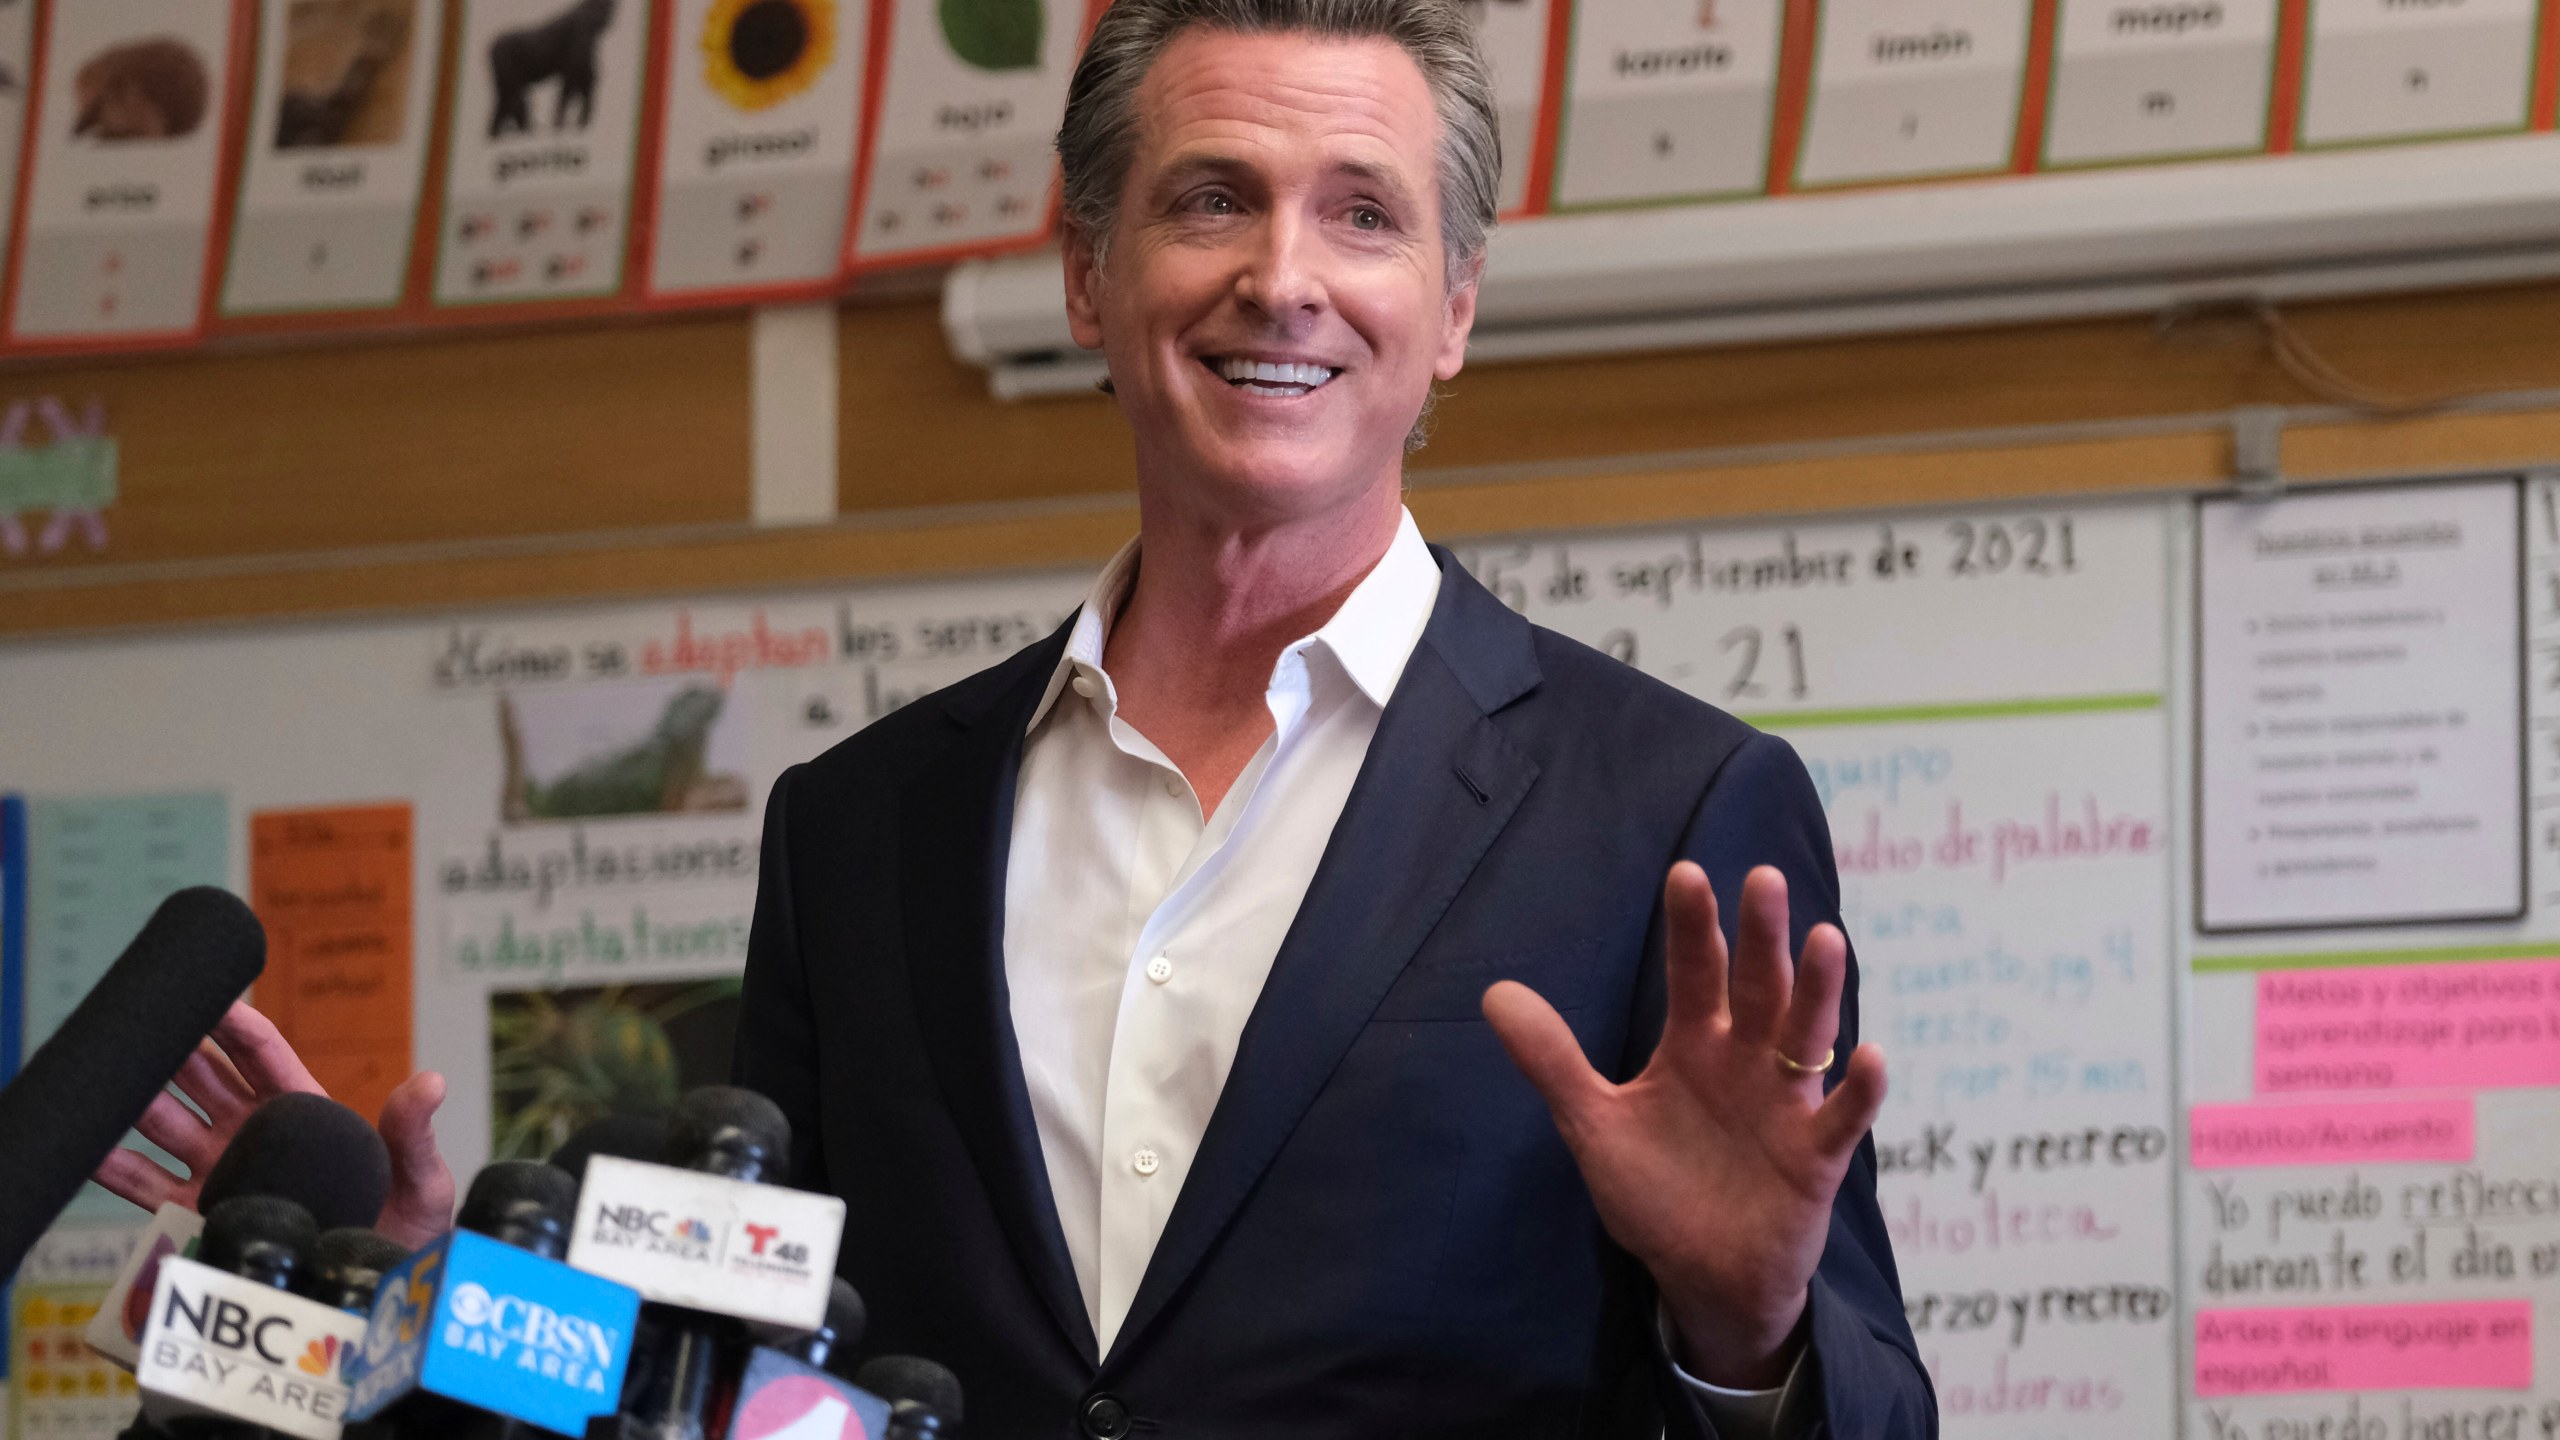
(1192, 650)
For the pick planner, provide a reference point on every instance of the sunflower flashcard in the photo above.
(755, 164)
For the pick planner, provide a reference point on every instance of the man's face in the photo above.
(1274, 302)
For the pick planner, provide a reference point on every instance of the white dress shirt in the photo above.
(1138, 931)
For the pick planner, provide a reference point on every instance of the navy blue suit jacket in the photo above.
(1382, 1234)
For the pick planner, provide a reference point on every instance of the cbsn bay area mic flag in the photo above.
(481, 1322)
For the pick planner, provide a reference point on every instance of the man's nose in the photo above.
(1283, 271)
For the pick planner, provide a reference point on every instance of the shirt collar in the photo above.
(1371, 636)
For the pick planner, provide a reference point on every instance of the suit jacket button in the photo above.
(1105, 1418)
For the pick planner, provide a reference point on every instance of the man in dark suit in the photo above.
(1147, 996)
(1259, 1009)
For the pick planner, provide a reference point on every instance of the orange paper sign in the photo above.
(332, 887)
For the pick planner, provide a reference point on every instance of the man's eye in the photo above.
(1216, 204)
(1368, 217)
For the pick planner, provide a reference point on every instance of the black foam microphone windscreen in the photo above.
(628, 1137)
(912, 1379)
(310, 1150)
(723, 1130)
(80, 1092)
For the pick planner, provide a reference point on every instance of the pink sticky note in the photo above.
(2409, 1027)
(2345, 1133)
(2471, 1345)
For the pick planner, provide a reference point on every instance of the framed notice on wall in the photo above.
(2360, 708)
(117, 228)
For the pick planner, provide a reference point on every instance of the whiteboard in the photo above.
(1994, 703)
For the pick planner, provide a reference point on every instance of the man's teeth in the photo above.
(1303, 377)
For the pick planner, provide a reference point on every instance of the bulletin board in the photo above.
(2196, 855)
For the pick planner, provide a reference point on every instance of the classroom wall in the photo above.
(615, 458)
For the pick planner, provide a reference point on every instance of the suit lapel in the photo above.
(1438, 785)
(958, 824)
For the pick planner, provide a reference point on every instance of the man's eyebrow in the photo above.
(1382, 177)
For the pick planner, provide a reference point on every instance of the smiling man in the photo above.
(1292, 1000)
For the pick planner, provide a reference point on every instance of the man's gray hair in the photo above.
(1100, 131)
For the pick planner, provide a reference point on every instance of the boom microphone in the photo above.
(80, 1093)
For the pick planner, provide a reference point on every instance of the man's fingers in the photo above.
(265, 1061)
(134, 1176)
(1849, 1112)
(209, 1080)
(1542, 1045)
(1812, 1022)
(420, 1206)
(1760, 958)
(169, 1124)
(1693, 942)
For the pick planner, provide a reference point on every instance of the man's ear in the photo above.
(1458, 321)
(1084, 286)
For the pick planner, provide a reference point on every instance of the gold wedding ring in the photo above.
(1798, 1067)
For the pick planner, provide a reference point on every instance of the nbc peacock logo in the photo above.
(320, 1357)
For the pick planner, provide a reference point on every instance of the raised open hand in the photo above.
(1716, 1167)
(244, 1062)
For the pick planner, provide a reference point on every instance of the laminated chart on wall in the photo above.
(966, 104)
(97, 866)
(59, 1388)
(2373, 1213)
(542, 155)
(334, 155)
(1668, 100)
(2359, 725)
(331, 886)
(1513, 35)
(2136, 80)
(2003, 837)
(1913, 89)
(118, 213)
(590, 830)
(2407, 69)
(761, 115)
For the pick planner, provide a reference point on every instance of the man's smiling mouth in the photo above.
(1262, 377)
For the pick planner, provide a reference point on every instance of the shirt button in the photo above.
(1145, 1161)
(1160, 969)
(1085, 687)
(1173, 787)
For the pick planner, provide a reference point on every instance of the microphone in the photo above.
(347, 1266)
(924, 1398)
(230, 1350)
(785, 1393)
(487, 1332)
(305, 1148)
(710, 1239)
(830, 1346)
(78, 1094)
(632, 1137)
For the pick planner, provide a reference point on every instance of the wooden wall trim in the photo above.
(2183, 455)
